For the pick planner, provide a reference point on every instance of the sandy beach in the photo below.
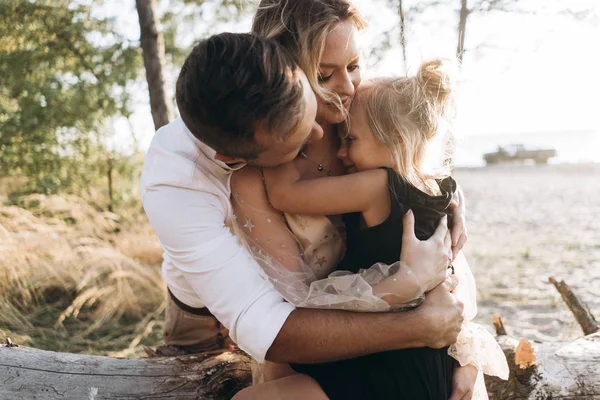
(527, 223)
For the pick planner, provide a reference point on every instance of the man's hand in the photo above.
(428, 259)
(463, 382)
(443, 314)
(459, 229)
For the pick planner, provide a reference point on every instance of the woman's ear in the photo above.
(229, 160)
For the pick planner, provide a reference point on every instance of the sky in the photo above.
(532, 73)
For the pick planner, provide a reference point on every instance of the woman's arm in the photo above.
(459, 228)
(260, 222)
(332, 195)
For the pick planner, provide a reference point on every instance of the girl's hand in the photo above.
(459, 229)
(463, 382)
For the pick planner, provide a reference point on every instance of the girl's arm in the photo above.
(359, 192)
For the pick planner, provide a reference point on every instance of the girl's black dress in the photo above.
(412, 374)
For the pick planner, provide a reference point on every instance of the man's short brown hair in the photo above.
(230, 83)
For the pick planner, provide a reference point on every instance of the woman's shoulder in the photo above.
(247, 186)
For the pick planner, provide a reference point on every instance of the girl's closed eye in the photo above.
(353, 67)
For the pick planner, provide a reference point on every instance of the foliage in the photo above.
(62, 73)
(187, 21)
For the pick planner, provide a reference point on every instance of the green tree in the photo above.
(63, 72)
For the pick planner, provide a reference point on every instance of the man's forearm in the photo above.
(311, 336)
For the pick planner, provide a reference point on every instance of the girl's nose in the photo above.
(343, 151)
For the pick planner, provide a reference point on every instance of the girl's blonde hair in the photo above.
(405, 113)
(301, 26)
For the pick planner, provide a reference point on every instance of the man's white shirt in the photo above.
(186, 195)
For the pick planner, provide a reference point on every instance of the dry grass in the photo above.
(74, 279)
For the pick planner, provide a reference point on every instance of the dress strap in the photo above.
(397, 188)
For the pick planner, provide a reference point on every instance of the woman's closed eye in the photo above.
(325, 78)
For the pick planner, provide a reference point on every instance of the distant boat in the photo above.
(517, 153)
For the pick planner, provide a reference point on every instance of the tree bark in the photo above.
(403, 34)
(561, 371)
(109, 176)
(27, 373)
(462, 27)
(153, 49)
(581, 312)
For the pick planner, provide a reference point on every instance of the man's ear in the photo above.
(229, 160)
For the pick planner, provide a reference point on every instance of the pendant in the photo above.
(320, 167)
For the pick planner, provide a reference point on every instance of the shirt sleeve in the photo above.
(191, 229)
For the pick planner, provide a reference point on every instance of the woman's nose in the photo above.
(345, 86)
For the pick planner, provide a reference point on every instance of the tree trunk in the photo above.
(27, 373)
(462, 26)
(403, 35)
(153, 49)
(109, 176)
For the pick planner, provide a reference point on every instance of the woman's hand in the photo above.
(463, 382)
(459, 228)
(428, 259)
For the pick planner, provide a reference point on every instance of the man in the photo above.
(243, 100)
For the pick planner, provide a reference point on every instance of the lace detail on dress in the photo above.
(475, 344)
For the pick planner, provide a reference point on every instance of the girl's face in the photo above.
(339, 70)
(360, 150)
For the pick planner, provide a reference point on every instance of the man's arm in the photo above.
(311, 336)
(190, 227)
(314, 335)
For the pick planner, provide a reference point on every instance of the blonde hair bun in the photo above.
(437, 79)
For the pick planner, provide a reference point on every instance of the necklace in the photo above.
(320, 166)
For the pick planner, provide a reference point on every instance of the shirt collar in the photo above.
(210, 153)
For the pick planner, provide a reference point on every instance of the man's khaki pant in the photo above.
(193, 333)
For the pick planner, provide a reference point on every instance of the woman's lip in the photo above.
(346, 103)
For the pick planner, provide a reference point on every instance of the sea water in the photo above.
(571, 146)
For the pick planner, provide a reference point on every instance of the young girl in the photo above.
(387, 149)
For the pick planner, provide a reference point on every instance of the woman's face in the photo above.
(339, 70)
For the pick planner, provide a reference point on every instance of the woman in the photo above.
(323, 35)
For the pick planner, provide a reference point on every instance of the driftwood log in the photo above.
(27, 373)
(537, 371)
(558, 370)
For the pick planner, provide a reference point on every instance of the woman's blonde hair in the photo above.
(405, 113)
(301, 26)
